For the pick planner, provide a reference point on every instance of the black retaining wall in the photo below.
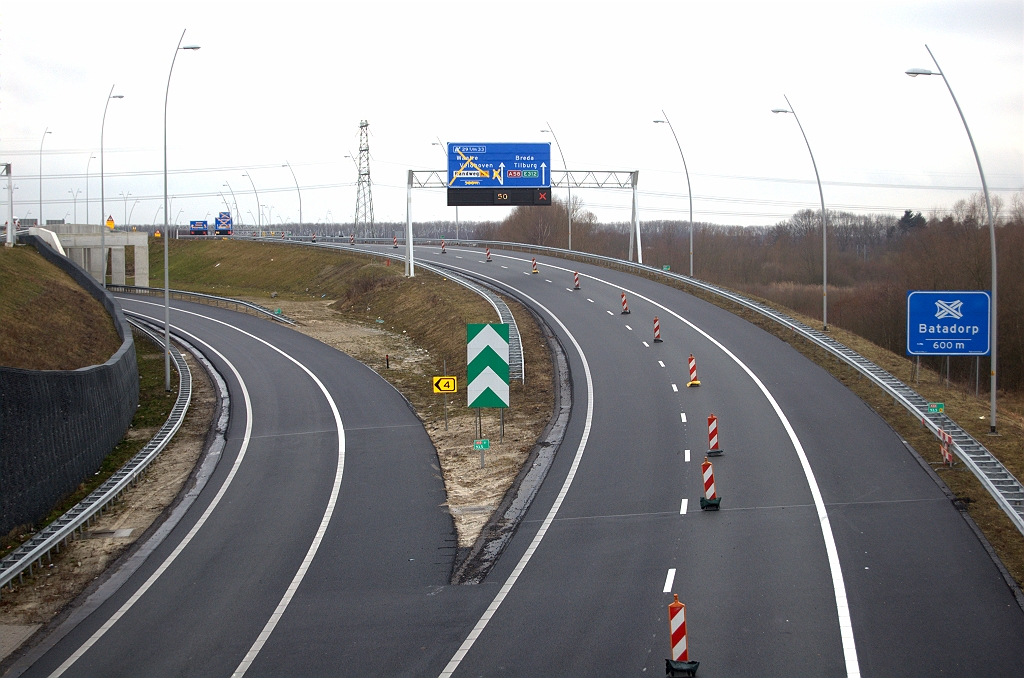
(56, 426)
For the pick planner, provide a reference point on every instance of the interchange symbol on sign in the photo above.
(949, 309)
(461, 173)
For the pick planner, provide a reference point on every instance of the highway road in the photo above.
(321, 546)
(764, 587)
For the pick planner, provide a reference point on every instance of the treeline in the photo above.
(873, 260)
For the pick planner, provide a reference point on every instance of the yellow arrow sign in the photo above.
(446, 385)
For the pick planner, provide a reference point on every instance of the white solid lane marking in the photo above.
(686, 455)
(682, 415)
(195, 528)
(646, 345)
(669, 579)
(610, 313)
(661, 363)
(532, 548)
(682, 507)
(675, 388)
(629, 328)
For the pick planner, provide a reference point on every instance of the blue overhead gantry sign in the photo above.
(948, 323)
(497, 174)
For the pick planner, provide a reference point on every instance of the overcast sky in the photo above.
(289, 82)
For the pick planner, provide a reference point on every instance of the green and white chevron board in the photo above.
(487, 364)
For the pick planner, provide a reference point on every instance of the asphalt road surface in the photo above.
(834, 554)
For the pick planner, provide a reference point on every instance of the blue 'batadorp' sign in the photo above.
(948, 323)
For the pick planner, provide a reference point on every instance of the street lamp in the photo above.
(125, 196)
(103, 205)
(288, 165)
(130, 213)
(156, 213)
(236, 204)
(444, 149)
(167, 275)
(994, 324)
(568, 178)
(688, 191)
(41, 224)
(74, 196)
(177, 216)
(259, 221)
(91, 158)
(824, 238)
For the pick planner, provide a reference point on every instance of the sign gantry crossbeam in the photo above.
(559, 179)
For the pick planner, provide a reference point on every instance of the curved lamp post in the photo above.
(125, 196)
(289, 166)
(167, 273)
(103, 206)
(824, 238)
(688, 191)
(40, 218)
(259, 221)
(994, 324)
(234, 201)
(74, 196)
(568, 179)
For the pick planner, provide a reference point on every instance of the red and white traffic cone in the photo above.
(713, 449)
(679, 664)
(657, 330)
(576, 280)
(694, 381)
(488, 255)
(710, 501)
(534, 266)
(352, 239)
(443, 250)
(945, 440)
(625, 306)
(395, 238)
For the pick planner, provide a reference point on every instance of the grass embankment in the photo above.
(970, 412)
(48, 322)
(405, 329)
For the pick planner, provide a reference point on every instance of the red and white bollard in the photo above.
(488, 255)
(396, 242)
(694, 381)
(625, 306)
(443, 250)
(657, 330)
(679, 664)
(713, 449)
(710, 500)
(576, 280)
(534, 266)
(945, 440)
(314, 237)
(352, 239)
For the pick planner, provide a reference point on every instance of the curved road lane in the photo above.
(389, 539)
(924, 597)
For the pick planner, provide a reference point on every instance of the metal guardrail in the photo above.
(517, 361)
(30, 555)
(187, 296)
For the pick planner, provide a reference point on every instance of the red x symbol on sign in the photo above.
(542, 196)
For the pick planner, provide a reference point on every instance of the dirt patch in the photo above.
(473, 492)
(40, 598)
(47, 321)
